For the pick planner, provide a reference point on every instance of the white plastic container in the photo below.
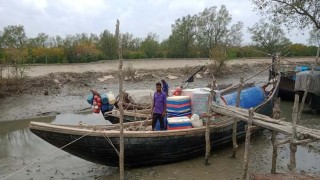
(111, 98)
(196, 121)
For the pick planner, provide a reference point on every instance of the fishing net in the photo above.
(141, 97)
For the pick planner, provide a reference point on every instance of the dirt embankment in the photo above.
(52, 78)
(111, 66)
(66, 91)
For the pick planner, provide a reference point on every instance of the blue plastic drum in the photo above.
(249, 97)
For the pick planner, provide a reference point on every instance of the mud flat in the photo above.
(67, 92)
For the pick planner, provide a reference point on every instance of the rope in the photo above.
(104, 135)
(45, 156)
(110, 142)
(224, 90)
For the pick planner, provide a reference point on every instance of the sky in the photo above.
(139, 17)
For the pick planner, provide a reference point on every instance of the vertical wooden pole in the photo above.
(272, 71)
(276, 115)
(318, 51)
(277, 60)
(121, 158)
(207, 133)
(293, 147)
(235, 121)
(247, 146)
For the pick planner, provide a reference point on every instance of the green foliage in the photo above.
(269, 37)
(13, 37)
(302, 50)
(135, 55)
(150, 45)
(108, 45)
(192, 36)
(213, 26)
(314, 37)
(298, 13)
(183, 36)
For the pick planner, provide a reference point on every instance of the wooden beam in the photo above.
(278, 143)
(265, 121)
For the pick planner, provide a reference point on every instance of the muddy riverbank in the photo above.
(67, 91)
(19, 147)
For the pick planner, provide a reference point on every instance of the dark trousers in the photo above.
(155, 118)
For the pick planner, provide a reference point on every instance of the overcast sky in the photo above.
(62, 17)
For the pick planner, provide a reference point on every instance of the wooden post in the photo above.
(293, 146)
(121, 158)
(276, 115)
(207, 133)
(247, 146)
(318, 51)
(235, 121)
(272, 71)
(277, 60)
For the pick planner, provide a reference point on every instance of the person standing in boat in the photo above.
(165, 87)
(159, 107)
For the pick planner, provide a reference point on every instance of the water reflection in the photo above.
(19, 147)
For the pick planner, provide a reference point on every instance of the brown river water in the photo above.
(20, 148)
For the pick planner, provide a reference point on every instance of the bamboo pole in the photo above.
(247, 146)
(276, 115)
(121, 158)
(293, 147)
(207, 132)
(235, 121)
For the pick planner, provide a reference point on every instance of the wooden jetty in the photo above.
(297, 135)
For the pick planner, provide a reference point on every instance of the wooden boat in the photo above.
(129, 115)
(143, 148)
(287, 88)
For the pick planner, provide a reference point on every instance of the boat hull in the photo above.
(146, 151)
(140, 151)
(287, 92)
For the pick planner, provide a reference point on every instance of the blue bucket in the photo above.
(90, 99)
(104, 98)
